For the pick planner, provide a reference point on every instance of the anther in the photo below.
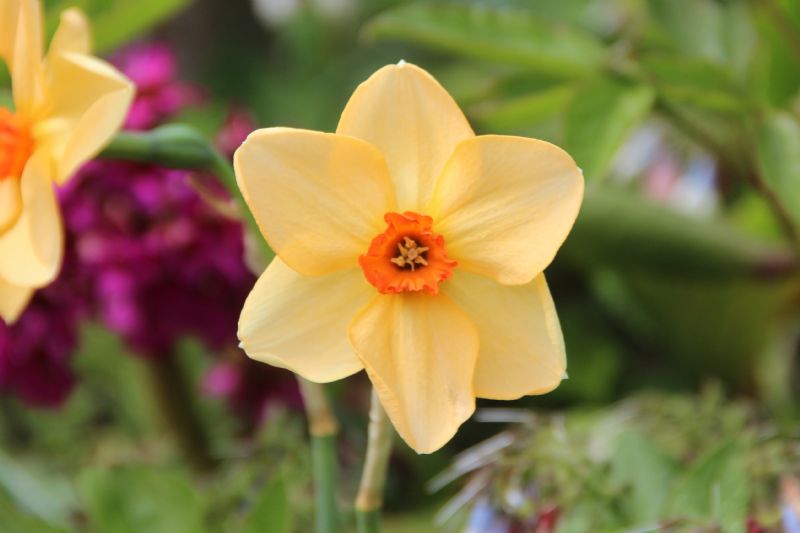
(410, 254)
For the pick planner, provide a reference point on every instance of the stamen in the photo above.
(407, 257)
(410, 254)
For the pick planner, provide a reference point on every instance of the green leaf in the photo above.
(704, 326)
(693, 26)
(695, 81)
(602, 114)
(647, 472)
(739, 36)
(15, 520)
(716, 489)
(141, 498)
(721, 32)
(45, 496)
(270, 512)
(776, 69)
(705, 101)
(632, 234)
(119, 21)
(505, 35)
(502, 115)
(778, 144)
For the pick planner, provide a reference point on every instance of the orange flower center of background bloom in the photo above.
(16, 144)
(408, 256)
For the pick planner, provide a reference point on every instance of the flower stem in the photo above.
(177, 410)
(369, 500)
(181, 146)
(323, 428)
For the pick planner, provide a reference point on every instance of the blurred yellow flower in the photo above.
(67, 105)
(411, 248)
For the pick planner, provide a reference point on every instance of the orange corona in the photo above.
(16, 144)
(407, 257)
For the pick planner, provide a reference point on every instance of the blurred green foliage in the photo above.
(649, 297)
(653, 461)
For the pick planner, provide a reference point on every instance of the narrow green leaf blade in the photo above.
(45, 496)
(778, 145)
(117, 22)
(505, 35)
(509, 113)
(632, 234)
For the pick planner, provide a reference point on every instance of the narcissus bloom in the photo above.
(411, 248)
(67, 105)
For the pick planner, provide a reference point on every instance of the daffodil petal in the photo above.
(521, 345)
(31, 250)
(10, 202)
(506, 204)
(27, 58)
(419, 352)
(90, 100)
(300, 322)
(413, 121)
(13, 300)
(9, 17)
(319, 198)
(72, 35)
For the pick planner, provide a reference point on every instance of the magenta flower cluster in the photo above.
(146, 256)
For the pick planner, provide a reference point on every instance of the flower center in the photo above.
(408, 256)
(16, 144)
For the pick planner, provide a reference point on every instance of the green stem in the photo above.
(323, 460)
(323, 428)
(178, 412)
(180, 146)
(368, 521)
(369, 500)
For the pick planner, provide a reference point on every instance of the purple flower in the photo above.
(164, 263)
(159, 93)
(36, 352)
(151, 259)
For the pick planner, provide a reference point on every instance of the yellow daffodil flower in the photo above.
(67, 105)
(409, 247)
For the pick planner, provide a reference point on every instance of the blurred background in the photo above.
(127, 406)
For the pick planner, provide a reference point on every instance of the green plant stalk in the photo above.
(369, 500)
(323, 428)
(178, 146)
(368, 521)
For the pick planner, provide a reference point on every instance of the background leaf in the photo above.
(602, 114)
(115, 22)
(778, 146)
(140, 498)
(716, 490)
(630, 234)
(270, 511)
(647, 472)
(46, 496)
(506, 35)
